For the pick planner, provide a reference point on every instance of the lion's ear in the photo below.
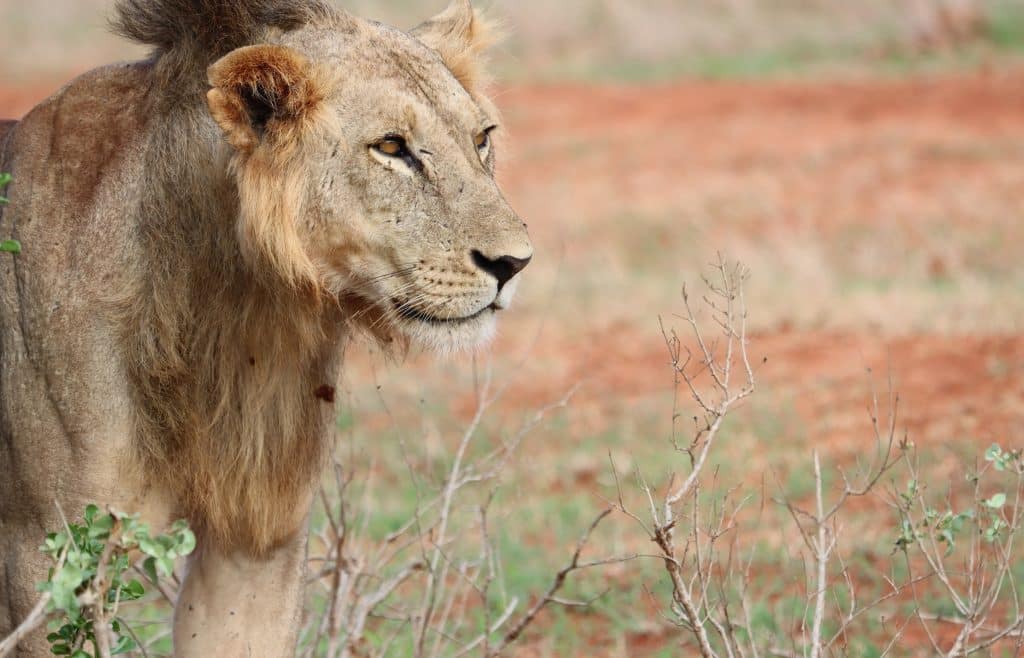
(269, 95)
(262, 90)
(461, 35)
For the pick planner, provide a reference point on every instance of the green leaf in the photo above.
(5, 179)
(947, 537)
(68, 632)
(60, 650)
(10, 246)
(106, 522)
(149, 566)
(135, 590)
(63, 586)
(124, 645)
(120, 564)
(165, 565)
(151, 547)
(101, 527)
(186, 542)
(996, 502)
(55, 541)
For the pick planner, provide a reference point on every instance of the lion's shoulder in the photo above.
(83, 131)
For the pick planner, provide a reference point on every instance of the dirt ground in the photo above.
(882, 222)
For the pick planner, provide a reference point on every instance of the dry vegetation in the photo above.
(437, 584)
(882, 222)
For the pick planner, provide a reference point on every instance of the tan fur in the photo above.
(250, 441)
(202, 234)
(462, 36)
(6, 127)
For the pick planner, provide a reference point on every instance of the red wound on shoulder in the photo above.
(325, 393)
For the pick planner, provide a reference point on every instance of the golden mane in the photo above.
(229, 341)
(226, 358)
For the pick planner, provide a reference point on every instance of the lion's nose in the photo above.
(503, 268)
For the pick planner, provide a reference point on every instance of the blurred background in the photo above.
(864, 159)
(609, 40)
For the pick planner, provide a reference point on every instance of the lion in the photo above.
(203, 233)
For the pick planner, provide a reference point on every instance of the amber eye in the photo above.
(392, 146)
(483, 140)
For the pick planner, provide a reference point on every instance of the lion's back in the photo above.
(75, 160)
(72, 142)
(5, 127)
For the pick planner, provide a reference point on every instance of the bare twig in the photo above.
(551, 595)
(35, 619)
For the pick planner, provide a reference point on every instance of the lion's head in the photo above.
(365, 163)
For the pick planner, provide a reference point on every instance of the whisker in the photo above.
(382, 277)
(403, 270)
(374, 304)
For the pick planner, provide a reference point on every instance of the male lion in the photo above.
(202, 232)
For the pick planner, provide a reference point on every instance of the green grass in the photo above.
(1006, 29)
(884, 52)
(797, 62)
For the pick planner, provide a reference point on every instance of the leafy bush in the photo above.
(91, 580)
(9, 246)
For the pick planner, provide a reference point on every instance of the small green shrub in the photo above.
(9, 246)
(90, 578)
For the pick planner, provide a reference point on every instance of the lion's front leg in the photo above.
(234, 605)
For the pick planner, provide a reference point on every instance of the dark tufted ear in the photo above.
(264, 98)
(261, 91)
(461, 36)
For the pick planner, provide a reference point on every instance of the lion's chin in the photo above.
(450, 337)
(391, 328)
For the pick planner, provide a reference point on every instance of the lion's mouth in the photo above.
(411, 313)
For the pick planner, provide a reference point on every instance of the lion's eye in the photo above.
(483, 143)
(395, 147)
(392, 146)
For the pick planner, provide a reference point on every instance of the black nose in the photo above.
(502, 269)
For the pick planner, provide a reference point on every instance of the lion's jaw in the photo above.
(384, 163)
